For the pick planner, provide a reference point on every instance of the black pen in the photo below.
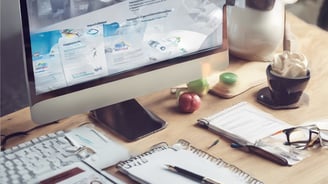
(191, 175)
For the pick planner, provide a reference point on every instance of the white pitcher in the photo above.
(256, 27)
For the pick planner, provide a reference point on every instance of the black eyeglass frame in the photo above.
(312, 140)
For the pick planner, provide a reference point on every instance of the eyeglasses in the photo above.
(303, 137)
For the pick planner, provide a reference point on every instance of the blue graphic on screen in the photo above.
(42, 43)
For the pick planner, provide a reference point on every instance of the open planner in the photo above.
(150, 167)
(253, 129)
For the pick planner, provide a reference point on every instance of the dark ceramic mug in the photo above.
(284, 90)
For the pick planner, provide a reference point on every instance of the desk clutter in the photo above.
(84, 152)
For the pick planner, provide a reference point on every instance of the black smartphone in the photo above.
(128, 120)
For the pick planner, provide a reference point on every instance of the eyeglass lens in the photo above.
(299, 135)
(324, 137)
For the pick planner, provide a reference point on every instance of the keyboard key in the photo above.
(9, 164)
(42, 168)
(35, 140)
(10, 156)
(18, 162)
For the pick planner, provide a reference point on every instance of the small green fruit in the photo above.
(228, 78)
(199, 86)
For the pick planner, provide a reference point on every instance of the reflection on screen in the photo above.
(74, 41)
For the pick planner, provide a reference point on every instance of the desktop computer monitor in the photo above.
(83, 55)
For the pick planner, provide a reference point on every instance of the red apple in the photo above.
(189, 102)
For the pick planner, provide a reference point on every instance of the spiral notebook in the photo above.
(150, 167)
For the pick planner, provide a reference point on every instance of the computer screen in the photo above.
(83, 55)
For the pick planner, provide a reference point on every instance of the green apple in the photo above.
(199, 86)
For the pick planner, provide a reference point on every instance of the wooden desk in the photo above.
(313, 43)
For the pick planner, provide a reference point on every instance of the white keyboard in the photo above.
(25, 162)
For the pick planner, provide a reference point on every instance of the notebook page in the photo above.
(245, 122)
(153, 169)
(215, 169)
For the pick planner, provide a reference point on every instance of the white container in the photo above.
(255, 34)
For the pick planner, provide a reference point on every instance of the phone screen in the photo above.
(128, 120)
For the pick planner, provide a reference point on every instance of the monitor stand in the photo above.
(128, 120)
